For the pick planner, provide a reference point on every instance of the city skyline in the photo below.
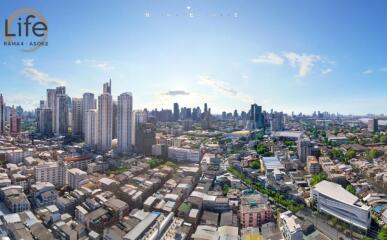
(230, 61)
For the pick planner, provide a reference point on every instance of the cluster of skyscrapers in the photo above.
(93, 120)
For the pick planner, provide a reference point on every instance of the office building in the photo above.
(77, 117)
(332, 199)
(176, 112)
(304, 148)
(44, 121)
(15, 126)
(373, 125)
(256, 117)
(91, 128)
(88, 102)
(124, 122)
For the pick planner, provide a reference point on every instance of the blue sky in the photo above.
(296, 55)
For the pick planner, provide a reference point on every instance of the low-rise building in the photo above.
(334, 200)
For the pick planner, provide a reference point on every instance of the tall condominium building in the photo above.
(115, 120)
(88, 102)
(91, 128)
(107, 87)
(124, 122)
(76, 114)
(42, 104)
(105, 121)
(44, 121)
(145, 138)
(50, 101)
(176, 112)
(15, 126)
(304, 147)
(373, 125)
(61, 114)
(2, 115)
(138, 117)
(277, 121)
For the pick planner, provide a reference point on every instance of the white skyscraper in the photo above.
(88, 102)
(105, 119)
(91, 128)
(124, 122)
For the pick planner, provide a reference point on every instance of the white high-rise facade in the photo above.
(105, 119)
(124, 122)
(88, 102)
(91, 128)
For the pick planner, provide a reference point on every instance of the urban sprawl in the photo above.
(95, 168)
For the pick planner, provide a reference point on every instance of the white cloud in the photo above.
(244, 76)
(94, 63)
(28, 62)
(326, 71)
(303, 62)
(217, 85)
(224, 89)
(384, 69)
(38, 76)
(269, 58)
(176, 93)
(368, 71)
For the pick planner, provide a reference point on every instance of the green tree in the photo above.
(255, 164)
(382, 235)
(372, 153)
(350, 154)
(383, 138)
(316, 178)
(351, 189)
(366, 238)
(262, 149)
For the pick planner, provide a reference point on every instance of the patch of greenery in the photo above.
(382, 235)
(276, 196)
(351, 189)
(255, 164)
(316, 178)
